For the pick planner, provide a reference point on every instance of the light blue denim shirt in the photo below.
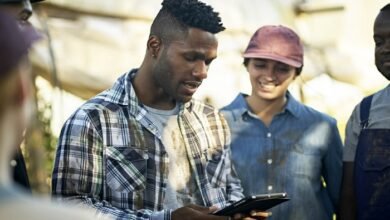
(299, 148)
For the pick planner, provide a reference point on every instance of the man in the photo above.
(144, 149)
(15, 113)
(22, 11)
(366, 181)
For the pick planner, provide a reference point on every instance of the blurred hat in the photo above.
(14, 42)
(17, 1)
(277, 43)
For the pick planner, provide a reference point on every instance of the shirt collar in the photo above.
(241, 106)
(123, 93)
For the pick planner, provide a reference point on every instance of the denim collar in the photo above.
(241, 107)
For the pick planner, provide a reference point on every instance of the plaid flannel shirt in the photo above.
(110, 156)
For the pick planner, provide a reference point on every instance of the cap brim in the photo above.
(281, 59)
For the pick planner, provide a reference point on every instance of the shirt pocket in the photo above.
(305, 162)
(126, 168)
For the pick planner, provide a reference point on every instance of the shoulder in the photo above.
(237, 103)
(110, 100)
(310, 114)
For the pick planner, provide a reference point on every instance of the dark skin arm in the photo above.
(195, 212)
(347, 200)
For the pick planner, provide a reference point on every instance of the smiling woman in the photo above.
(291, 145)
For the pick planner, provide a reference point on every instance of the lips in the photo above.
(190, 87)
(192, 84)
(267, 84)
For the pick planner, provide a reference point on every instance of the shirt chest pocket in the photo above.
(125, 168)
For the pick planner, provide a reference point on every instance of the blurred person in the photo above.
(22, 11)
(16, 108)
(366, 180)
(279, 144)
(144, 149)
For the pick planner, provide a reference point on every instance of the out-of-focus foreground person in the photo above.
(278, 143)
(21, 10)
(366, 180)
(16, 108)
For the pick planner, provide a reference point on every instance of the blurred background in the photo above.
(90, 43)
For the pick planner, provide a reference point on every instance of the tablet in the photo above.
(261, 202)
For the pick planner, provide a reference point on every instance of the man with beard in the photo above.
(144, 149)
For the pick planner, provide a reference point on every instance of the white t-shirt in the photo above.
(181, 187)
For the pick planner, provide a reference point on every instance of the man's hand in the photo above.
(253, 215)
(195, 212)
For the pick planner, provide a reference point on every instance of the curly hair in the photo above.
(176, 16)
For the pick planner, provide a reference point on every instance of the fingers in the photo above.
(253, 215)
(260, 214)
(213, 209)
(202, 209)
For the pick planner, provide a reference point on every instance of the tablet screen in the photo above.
(260, 202)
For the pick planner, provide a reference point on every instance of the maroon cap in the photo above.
(15, 40)
(277, 43)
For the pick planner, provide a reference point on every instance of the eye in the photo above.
(190, 58)
(208, 62)
(259, 65)
(378, 41)
(284, 69)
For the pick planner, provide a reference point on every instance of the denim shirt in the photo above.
(299, 151)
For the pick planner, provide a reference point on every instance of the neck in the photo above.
(266, 109)
(150, 94)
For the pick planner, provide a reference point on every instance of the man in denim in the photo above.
(279, 144)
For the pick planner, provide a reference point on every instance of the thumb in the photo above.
(203, 209)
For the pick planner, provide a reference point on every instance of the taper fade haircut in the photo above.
(177, 16)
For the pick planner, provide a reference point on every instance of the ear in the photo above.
(154, 45)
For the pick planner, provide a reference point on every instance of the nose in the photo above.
(200, 70)
(269, 74)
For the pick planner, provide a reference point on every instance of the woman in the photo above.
(278, 143)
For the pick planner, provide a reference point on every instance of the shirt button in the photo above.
(269, 161)
(269, 134)
(269, 188)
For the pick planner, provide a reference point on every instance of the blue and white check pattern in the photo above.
(110, 155)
